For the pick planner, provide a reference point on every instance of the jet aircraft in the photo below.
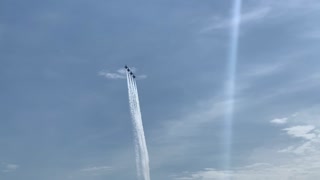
(128, 69)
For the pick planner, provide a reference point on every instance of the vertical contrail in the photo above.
(142, 157)
(132, 107)
(231, 78)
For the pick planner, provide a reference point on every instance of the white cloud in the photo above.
(12, 166)
(120, 74)
(264, 69)
(204, 112)
(301, 131)
(307, 116)
(309, 5)
(97, 169)
(279, 120)
(302, 164)
(6, 168)
(91, 171)
(122, 71)
(293, 169)
(189, 122)
(302, 149)
(297, 161)
(309, 133)
(274, 10)
(246, 17)
(112, 75)
(299, 84)
(252, 72)
(255, 15)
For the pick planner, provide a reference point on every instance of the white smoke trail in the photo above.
(142, 157)
(132, 107)
(145, 162)
(231, 79)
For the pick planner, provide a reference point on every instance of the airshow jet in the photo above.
(131, 73)
(128, 69)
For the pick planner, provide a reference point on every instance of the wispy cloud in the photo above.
(297, 128)
(91, 171)
(307, 116)
(120, 74)
(279, 120)
(254, 171)
(301, 131)
(246, 17)
(309, 5)
(302, 149)
(298, 161)
(310, 134)
(97, 169)
(287, 167)
(112, 75)
(109, 75)
(284, 120)
(6, 168)
(301, 169)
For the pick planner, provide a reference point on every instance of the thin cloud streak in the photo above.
(301, 131)
(298, 161)
(246, 18)
(97, 168)
(112, 75)
(7, 168)
(279, 120)
(120, 74)
(307, 169)
(90, 172)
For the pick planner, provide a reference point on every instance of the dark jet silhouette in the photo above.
(128, 69)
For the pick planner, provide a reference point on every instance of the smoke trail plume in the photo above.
(231, 78)
(142, 157)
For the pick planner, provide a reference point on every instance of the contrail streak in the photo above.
(132, 107)
(231, 78)
(142, 157)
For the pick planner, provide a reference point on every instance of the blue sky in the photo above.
(65, 115)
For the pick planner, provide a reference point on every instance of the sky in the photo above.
(64, 111)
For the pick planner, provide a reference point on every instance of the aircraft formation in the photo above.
(128, 69)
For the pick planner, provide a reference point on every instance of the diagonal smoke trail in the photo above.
(132, 107)
(145, 162)
(231, 79)
(142, 157)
